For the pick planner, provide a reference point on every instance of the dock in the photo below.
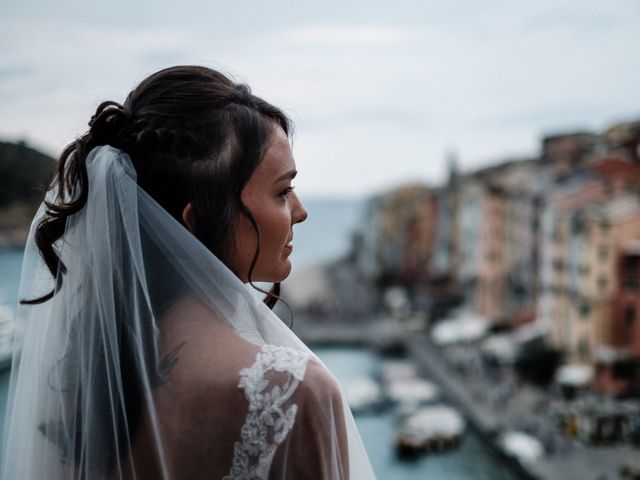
(579, 462)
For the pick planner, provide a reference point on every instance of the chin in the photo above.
(282, 273)
(276, 275)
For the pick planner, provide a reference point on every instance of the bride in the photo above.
(140, 351)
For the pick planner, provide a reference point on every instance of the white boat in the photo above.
(397, 370)
(414, 391)
(525, 448)
(364, 394)
(430, 428)
(464, 327)
(404, 387)
(7, 329)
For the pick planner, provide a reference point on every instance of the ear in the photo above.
(189, 218)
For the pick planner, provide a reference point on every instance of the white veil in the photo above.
(152, 360)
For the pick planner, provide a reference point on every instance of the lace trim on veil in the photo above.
(268, 421)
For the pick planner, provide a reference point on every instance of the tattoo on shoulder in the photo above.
(170, 360)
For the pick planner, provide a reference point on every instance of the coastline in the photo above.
(572, 462)
(575, 461)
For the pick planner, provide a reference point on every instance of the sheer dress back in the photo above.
(153, 361)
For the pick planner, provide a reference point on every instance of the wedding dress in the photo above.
(152, 360)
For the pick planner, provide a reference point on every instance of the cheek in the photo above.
(244, 245)
(246, 237)
(275, 227)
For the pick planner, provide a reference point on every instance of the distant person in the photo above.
(140, 350)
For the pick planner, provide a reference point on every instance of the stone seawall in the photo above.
(580, 462)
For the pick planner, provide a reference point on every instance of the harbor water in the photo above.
(326, 237)
(471, 460)
(10, 262)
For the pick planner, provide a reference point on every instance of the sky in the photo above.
(381, 92)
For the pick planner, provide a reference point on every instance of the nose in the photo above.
(298, 213)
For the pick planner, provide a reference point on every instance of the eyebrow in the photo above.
(289, 175)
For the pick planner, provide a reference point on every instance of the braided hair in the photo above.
(194, 136)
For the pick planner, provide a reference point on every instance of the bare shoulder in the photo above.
(319, 384)
(202, 351)
(319, 434)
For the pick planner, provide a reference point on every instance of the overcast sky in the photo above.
(379, 91)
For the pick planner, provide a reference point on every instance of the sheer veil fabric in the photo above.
(153, 360)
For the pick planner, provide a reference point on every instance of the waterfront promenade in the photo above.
(570, 460)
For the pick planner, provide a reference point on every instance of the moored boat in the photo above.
(431, 428)
(405, 388)
(412, 392)
(521, 446)
(363, 395)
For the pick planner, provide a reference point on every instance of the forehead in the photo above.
(278, 158)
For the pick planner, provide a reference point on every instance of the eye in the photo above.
(286, 192)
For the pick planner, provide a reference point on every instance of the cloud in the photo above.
(347, 35)
(15, 72)
(377, 115)
(378, 93)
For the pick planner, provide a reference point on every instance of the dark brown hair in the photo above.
(193, 135)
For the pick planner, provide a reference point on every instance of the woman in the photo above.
(140, 351)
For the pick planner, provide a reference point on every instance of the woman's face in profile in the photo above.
(276, 208)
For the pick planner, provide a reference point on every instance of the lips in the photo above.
(288, 248)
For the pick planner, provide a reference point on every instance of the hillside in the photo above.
(24, 171)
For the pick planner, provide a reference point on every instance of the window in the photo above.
(629, 315)
(630, 284)
(602, 282)
(629, 273)
(578, 225)
(603, 252)
(585, 309)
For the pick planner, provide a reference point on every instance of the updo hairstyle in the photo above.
(194, 136)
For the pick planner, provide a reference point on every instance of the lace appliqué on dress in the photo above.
(268, 422)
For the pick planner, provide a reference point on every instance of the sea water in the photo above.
(10, 262)
(471, 460)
